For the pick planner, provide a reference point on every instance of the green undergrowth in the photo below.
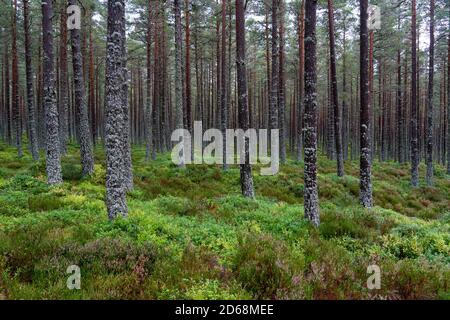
(190, 235)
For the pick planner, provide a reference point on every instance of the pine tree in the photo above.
(365, 143)
(243, 113)
(178, 73)
(31, 111)
(84, 132)
(148, 103)
(15, 86)
(282, 85)
(53, 159)
(429, 105)
(310, 131)
(414, 109)
(334, 91)
(63, 86)
(223, 80)
(273, 110)
(448, 103)
(114, 106)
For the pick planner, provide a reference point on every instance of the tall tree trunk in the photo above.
(148, 102)
(7, 96)
(365, 143)
(429, 105)
(345, 111)
(414, 109)
(243, 114)
(448, 104)
(301, 71)
(334, 91)
(15, 86)
(34, 146)
(114, 116)
(63, 88)
(223, 81)
(282, 87)
(53, 158)
(83, 129)
(178, 73)
(268, 67)
(311, 194)
(91, 86)
(400, 115)
(188, 68)
(126, 141)
(273, 111)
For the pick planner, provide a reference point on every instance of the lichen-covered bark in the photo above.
(282, 86)
(31, 110)
(114, 111)
(273, 109)
(15, 86)
(429, 105)
(148, 103)
(414, 109)
(63, 88)
(334, 91)
(399, 104)
(7, 95)
(310, 127)
(223, 81)
(126, 141)
(243, 113)
(301, 49)
(84, 131)
(178, 71)
(53, 157)
(365, 182)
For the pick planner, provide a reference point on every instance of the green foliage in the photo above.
(191, 235)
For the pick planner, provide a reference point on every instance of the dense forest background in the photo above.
(86, 118)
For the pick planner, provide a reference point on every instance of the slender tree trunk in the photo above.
(223, 81)
(365, 143)
(7, 96)
(53, 160)
(63, 88)
(282, 86)
(275, 70)
(243, 114)
(15, 86)
(148, 103)
(399, 102)
(345, 111)
(188, 68)
(429, 127)
(311, 194)
(448, 104)
(334, 91)
(91, 87)
(268, 68)
(34, 146)
(301, 73)
(114, 116)
(84, 132)
(126, 141)
(414, 109)
(178, 73)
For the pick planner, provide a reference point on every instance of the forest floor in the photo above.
(190, 235)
